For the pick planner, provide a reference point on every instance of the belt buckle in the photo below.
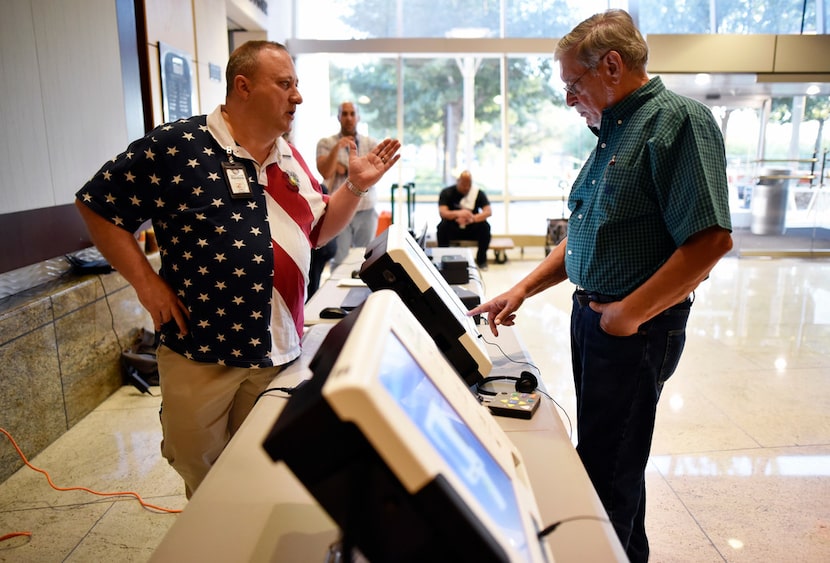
(582, 296)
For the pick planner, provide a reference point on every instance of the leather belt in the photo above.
(583, 297)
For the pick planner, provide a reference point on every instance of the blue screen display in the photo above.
(464, 454)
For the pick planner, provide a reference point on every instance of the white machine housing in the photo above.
(394, 260)
(396, 449)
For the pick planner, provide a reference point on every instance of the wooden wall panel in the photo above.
(803, 53)
(710, 53)
(36, 235)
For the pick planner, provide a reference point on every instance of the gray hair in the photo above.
(612, 30)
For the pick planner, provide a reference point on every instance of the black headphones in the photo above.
(525, 383)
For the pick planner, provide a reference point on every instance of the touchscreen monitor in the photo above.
(391, 443)
(395, 261)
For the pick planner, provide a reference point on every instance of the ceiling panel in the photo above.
(738, 90)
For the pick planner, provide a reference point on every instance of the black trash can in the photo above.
(768, 206)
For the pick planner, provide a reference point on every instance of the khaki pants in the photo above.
(203, 405)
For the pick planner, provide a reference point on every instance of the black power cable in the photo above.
(547, 530)
(538, 371)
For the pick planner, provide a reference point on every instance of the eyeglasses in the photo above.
(569, 88)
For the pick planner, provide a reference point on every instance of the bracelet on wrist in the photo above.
(354, 189)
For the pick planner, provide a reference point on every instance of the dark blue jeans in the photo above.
(618, 383)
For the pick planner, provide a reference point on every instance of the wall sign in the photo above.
(177, 83)
(215, 72)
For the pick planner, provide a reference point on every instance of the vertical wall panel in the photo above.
(83, 99)
(211, 49)
(25, 179)
(171, 22)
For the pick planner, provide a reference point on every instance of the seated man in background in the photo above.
(464, 211)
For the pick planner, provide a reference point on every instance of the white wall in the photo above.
(62, 109)
(211, 49)
(280, 20)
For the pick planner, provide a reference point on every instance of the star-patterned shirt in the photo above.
(240, 265)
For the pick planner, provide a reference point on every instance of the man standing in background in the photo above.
(333, 166)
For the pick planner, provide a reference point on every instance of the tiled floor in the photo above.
(115, 448)
(740, 467)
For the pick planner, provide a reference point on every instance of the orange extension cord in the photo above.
(48, 478)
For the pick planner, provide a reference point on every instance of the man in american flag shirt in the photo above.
(236, 213)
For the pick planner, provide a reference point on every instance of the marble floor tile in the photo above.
(56, 531)
(739, 470)
(113, 449)
(777, 408)
(770, 504)
(109, 450)
(740, 465)
(674, 534)
(687, 421)
(127, 532)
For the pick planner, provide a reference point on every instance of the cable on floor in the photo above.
(15, 535)
(63, 489)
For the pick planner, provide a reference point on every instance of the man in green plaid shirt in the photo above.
(649, 220)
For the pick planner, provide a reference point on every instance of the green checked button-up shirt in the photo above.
(656, 177)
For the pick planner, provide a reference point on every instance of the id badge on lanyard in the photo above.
(236, 178)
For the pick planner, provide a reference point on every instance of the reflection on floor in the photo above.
(740, 467)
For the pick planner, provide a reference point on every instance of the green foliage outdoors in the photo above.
(433, 87)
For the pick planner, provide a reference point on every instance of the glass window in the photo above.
(433, 91)
(667, 16)
(727, 16)
(548, 141)
(361, 19)
(531, 18)
(325, 81)
(372, 83)
(779, 17)
(503, 115)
